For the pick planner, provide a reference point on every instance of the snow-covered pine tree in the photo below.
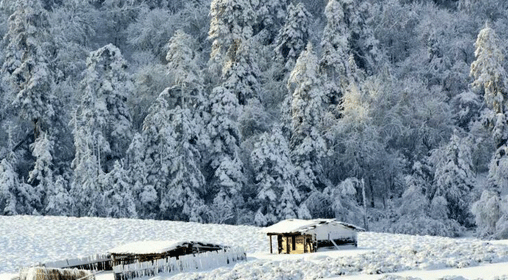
(277, 196)
(26, 64)
(490, 76)
(158, 141)
(307, 144)
(58, 200)
(16, 197)
(145, 196)
(225, 171)
(117, 194)
(335, 45)
(186, 188)
(183, 67)
(293, 36)
(8, 184)
(454, 178)
(102, 125)
(231, 24)
(42, 174)
(344, 202)
(270, 17)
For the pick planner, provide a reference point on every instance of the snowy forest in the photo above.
(389, 114)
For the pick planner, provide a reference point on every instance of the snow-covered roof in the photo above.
(148, 247)
(302, 226)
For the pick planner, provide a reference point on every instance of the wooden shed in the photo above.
(304, 236)
(155, 250)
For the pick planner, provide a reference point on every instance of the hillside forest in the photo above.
(389, 114)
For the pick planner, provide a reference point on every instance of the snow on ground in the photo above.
(25, 240)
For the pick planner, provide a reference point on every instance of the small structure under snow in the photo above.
(304, 236)
(155, 250)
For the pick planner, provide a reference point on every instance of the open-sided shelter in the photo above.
(155, 250)
(304, 236)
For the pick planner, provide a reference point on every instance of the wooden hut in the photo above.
(304, 236)
(155, 250)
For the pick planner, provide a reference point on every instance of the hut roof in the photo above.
(303, 226)
(148, 247)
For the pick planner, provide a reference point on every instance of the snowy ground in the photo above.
(25, 240)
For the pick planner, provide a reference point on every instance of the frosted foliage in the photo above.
(102, 124)
(222, 127)
(187, 185)
(488, 70)
(344, 204)
(334, 62)
(454, 177)
(8, 184)
(498, 169)
(42, 174)
(26, 63)
(231, 22)
(307, 143)
(487, 213)
(182, 62)
(59, 202)
(117, 194)
(278, 198)
(419, 216)
(293, 36)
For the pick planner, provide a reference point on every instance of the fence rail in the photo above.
(94, 262)
(185, 263)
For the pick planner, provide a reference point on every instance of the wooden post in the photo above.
(271, 250)
(287, 244)
(304, 243)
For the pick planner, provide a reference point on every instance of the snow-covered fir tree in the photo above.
(307, 144)
(42, 174)
(117, 194)
(102, 125)
(231, 24)
(275, 176)
(454, 178)
(224, 169)
(293, 36)
(26, 63)
(58, 200)
(334, 61)
(490, 76)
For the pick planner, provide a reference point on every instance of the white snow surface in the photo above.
(147, 247)
(25, 240)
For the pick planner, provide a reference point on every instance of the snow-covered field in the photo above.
(26, 240)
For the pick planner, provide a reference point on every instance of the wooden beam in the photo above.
(271, 250)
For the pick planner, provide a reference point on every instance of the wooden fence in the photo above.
(95, 263)
(185, 263)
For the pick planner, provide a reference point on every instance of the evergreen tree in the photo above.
(491, 77)
(117, 195)
(58, 200)
(231, 24)
(42, 175)
(145, 196)
(158, 142)
(26, 63)
(293, 36)
(454, 178)
(102, 126)
(277, 196)
(186, 188)
(307, 144)
(225, 169)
